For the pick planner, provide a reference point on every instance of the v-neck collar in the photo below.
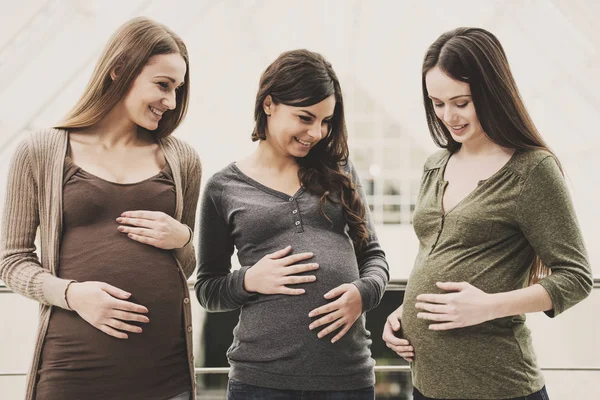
(264, 188)
(444, 183)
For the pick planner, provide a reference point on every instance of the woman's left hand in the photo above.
(154, 228)
(465, 306)
(341, 313)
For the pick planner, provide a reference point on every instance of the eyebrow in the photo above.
(452, 98)
(169, 78)
(314, 116)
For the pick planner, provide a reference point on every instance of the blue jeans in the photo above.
(541, 395)
(237, 390)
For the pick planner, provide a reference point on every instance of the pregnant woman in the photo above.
(114, 197)
(311, 263)
(498, 234)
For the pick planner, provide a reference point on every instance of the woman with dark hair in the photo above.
(497, 231)
(296, 193)
(114, 197)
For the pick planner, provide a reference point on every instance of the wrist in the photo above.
(493, 309)
(69, 298)
(248, 281)
(186, 235)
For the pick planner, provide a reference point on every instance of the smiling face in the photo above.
(153, 92)
(453, 105)
(294, 131)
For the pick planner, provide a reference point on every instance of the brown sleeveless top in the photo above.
(81, 362)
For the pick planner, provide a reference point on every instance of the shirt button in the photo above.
(294, 212)
(189, 328)
(297, 222)
(291, 199)
(186, 300)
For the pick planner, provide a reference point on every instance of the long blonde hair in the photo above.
(126, 54)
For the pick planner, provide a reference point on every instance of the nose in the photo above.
(170, 100)
(315, 131)
(449, 115)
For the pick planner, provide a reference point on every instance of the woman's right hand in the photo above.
(274, 271)
(105, 307)
(402, 347)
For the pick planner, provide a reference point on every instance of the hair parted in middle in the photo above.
(301, 78)
(475, 56)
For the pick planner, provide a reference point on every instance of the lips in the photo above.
(457, 129)
(302, 142)
(157, 113)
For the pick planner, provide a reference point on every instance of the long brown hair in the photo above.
(301, 78)
(475, 56)
(126, 53)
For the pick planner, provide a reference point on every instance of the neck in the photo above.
(267, 157)
(116, 130)
(480, 146)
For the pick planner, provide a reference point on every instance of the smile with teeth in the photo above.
(458, 128)
(156, 111)
(302, 142)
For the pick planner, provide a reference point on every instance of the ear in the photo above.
(114, 73)
(268, 105)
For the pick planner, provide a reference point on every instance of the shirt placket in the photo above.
(295, 211)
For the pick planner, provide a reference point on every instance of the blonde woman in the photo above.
(114, 197)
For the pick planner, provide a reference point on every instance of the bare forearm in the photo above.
(528, 300)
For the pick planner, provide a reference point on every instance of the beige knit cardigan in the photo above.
(34, 198)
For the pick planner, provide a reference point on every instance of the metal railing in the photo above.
(382, 368)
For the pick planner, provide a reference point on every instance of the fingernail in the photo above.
(127, 294)
(310, 314)
(119, 219)
(140, 330)
(333, 340)
(316, 266)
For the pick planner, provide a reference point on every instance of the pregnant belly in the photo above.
(153, 278)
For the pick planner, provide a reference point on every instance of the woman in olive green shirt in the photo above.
(497, 231)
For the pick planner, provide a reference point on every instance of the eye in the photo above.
(163, 85)
(463, 105)
(438, 105)
(305, 119)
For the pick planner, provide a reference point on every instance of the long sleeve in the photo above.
(372, 265)
(20, 268)
(217, 287)
(191, 192)
(548, 221)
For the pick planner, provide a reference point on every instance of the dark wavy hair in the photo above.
(475, 56)
(301, 78)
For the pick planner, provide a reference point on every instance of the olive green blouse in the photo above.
(489, 240)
